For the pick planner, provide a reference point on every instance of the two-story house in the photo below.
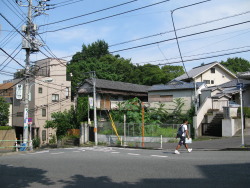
(211, 74)
(44, 97)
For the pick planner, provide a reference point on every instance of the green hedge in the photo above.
(246, 111)
(5, 128)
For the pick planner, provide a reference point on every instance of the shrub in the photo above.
(5, 128)
(36, 142)
(246, 111)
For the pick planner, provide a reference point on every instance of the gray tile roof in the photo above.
(198, 70)
(180, 85)
(120, 86)
(244, 75)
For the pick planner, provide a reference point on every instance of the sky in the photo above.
(140, 30)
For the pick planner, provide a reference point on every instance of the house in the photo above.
(44, 97)
(110, 93)
(6, 91)
(219, 103)
(167, 93)
(211, 74)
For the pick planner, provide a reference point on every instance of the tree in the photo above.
(4, 112)
(172, 72)
(62, 121)
(236, 64)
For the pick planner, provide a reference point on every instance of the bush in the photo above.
(5, 128)
(36, 142)
(246, 111)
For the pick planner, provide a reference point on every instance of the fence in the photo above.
(13, 145)
(131, 134)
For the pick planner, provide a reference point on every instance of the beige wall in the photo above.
(186, 95)
(40, 101)
(219, 77)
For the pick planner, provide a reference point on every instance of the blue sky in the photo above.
(132, 26)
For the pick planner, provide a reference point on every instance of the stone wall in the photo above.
(7, 135)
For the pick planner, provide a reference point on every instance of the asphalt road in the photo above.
(119, 167)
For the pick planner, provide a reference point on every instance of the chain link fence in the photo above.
(130, 134)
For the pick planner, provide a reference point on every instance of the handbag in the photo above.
(188, 141)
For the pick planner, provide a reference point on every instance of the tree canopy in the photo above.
(236, 64)
(4, 112)
(96, 57)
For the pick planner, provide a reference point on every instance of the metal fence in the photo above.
(130, 134)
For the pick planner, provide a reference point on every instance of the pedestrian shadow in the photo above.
(227, 175)
(18, 177)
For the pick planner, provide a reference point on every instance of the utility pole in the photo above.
(30, 44)
(94, 98)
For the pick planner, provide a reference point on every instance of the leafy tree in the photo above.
(62, 121)
(4, 112)
(96, 57)
(172, 72)
(236, 64)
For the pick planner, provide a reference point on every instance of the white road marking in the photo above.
(57, 153)
(115, 152)
(76, 151)
(42, 151)
(162, 156)
(133, 154)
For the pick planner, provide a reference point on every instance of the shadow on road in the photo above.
(18, 177)
(228, 175)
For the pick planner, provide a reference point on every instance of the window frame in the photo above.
(55, 98)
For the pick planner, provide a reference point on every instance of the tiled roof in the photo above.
(116, 85)
(244, 75)
(234, 82)
(200, 69)
(6, 85)
(178, 86)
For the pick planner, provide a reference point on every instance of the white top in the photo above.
(184, 126)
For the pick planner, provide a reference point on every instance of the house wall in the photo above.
(186, 95)
(219, 77)
(42, 102)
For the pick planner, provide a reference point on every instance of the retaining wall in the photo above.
(7, 135)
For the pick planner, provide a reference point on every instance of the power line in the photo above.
(101, 10)
(153, 61)
(12, 58)
(182, 28)
(208, 57)
(107, 17)
(184, 36)
(65, 4)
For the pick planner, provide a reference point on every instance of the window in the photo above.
(212, 81)
(40, 90)
(43, 112)
(206, 81)
(212, 70)
(67, 92)
(55, 97)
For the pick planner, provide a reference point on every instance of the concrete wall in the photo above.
(231, 126)
(113, 139)
(7, 135)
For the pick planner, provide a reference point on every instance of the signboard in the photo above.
(30, 121)
(240, 85)
(91, 102)
(19, 91)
